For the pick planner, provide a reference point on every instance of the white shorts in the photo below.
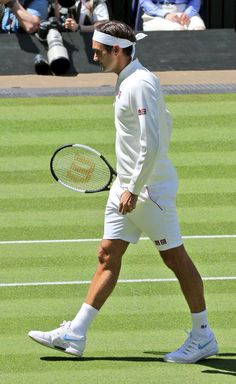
(155, 215)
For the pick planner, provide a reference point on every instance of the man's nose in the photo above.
(95, 57)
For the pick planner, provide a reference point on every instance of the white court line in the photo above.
(97, 240)
(83, 282)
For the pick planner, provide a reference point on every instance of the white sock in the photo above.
(83, 319)
(200, 325)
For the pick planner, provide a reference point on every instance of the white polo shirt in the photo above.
(100, 12)
(143, 130)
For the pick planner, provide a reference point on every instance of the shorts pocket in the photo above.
(153, 195)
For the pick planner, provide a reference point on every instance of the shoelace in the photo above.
(64, 323)
(186, 344)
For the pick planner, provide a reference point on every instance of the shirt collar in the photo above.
(128, 70)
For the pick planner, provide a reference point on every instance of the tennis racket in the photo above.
(81, 168)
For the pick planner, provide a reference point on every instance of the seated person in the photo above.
(20, 15)
(86, 14)
(174, 15)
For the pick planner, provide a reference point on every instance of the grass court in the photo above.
(43, 283)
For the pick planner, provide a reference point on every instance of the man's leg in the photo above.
(160, 24)
(71, 336)
(196, 23)
(201, 342)
(189, 278)
(110, 253)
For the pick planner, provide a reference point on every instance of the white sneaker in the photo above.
(62, 339)
(193, 350)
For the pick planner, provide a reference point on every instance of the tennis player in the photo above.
(142, 199)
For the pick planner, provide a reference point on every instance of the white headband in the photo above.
(106, 39)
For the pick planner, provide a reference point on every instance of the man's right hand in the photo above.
(127, 202)
(173, 17)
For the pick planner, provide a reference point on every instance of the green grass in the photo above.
(141, 321)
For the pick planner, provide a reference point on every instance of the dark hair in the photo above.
(120, 30)
(66, 3)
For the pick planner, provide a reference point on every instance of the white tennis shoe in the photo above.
(62, 339)
(193, 350)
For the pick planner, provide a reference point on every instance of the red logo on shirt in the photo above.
(142, 111)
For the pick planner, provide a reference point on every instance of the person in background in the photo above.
(175, 15)
(85, 14)
(20, 15)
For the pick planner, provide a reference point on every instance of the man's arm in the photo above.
(28, 21)
(144, 105)
(151, 8)
(143, 98)
(193, 8)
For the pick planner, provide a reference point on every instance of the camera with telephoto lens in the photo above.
(50, 31)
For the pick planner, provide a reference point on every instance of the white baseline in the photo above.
(97, 240)
(128, 281)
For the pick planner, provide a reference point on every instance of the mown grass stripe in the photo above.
(42, 176)
(192, 185)
(29, 231)
(75, 201)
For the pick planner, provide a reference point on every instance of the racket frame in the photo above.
(106, 187)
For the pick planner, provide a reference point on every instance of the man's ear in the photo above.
(116, 49)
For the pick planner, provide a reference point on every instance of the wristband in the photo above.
(10, 4)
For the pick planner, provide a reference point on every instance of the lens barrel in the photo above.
(57, 54)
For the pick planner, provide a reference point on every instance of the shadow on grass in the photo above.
(135, 359)
(223, 363)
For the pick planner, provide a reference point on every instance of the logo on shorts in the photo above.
(161, 242)
(142, 111)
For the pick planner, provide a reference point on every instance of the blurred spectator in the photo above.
(2, 9)
(175, 15)
(85, 14)
(20, 15)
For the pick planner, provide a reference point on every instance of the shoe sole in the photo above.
(69, 350)
(213, 352)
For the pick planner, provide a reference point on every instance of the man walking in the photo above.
(142, 199)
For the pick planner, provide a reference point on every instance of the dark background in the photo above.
(216, 13)
(212, 49)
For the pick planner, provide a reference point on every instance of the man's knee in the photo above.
(103, 254)
(110, 253)
(174, 257)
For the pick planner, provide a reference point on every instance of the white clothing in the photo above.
(143, 129)
(100, 13)
(155, 215)
(156, 23)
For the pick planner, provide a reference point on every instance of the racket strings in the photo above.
(83, 170)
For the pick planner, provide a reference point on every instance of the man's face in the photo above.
(103, 57)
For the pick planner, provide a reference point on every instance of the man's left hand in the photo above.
(184, 19)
